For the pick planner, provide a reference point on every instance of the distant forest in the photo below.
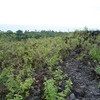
(20, 35)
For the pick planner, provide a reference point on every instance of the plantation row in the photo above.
(32, 64)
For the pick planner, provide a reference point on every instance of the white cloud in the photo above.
(74, 13)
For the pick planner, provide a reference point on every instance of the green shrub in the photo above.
(95, 53)
(50, 92)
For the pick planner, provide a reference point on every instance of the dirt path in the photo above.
(84, 85)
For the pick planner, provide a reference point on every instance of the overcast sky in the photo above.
(59, 13)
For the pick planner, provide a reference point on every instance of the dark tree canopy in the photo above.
(19, 32)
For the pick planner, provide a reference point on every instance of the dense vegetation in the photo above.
(20, 35)
(31, 61)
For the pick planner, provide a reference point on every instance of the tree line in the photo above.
(20, 35)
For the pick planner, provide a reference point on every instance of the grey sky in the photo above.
(55, 13)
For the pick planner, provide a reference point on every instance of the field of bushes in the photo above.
(31, 67)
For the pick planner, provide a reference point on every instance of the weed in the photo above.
(50, 90)
(97, 69)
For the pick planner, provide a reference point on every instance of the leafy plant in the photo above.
(95, 53)
(68, 86)
(97, 69)
(58, 74)
(16, 86)
(50, 92)
(99, 85)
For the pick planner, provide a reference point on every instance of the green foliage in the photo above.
(3, 76)
(97, 69)
(19, 60)
(67, 65)
(19, 32)
(1, 53)
(16, 86)
(22, 54)
(50, 90)
(68, 86)
(95, 53)
(20, 35)
(58, 74)
(99, 85)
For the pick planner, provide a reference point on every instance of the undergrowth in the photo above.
(19, 60)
